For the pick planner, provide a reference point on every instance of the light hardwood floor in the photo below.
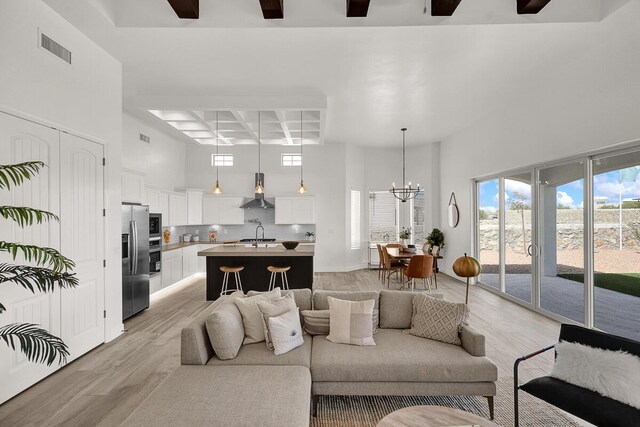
(104, 386)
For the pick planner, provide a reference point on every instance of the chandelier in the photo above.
(406, 191)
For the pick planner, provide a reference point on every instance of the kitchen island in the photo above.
(255, 261)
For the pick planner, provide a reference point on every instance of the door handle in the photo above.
(529, 250)
(131, 246)
(135, 247)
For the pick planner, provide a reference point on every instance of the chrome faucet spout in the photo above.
(257, 228)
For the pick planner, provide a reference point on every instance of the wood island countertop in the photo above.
(250, 251)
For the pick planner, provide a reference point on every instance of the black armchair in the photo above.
(583, 403)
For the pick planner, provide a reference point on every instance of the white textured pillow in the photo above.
(285, 332)
(351, 322)
(614, 374)
(437, 319)
(275, 308)
(316, 322)
(251, 316)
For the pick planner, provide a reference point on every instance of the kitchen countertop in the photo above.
(243, 251)
(180, 245)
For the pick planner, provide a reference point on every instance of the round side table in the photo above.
(433, 416)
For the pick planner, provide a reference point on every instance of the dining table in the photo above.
(401, 255)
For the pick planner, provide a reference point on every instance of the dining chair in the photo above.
(420, 267)
(391, 266)
(393, 246)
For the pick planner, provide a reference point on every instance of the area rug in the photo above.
(364, 411)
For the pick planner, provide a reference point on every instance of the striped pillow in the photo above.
(316, 322)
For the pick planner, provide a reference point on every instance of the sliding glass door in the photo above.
(488, 231)
(561, 216)
(518, 236)
(616, 243)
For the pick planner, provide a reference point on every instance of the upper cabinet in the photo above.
(194, 207)
(222, 210)
(158, 202)
(177, 209)
(295, 210)
(133, 186)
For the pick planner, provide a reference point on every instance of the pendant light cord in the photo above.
(259, 140)
(217, 147)
(403, 159)
(301, 161)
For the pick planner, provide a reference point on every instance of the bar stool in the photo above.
(225, 280)
(274, 274)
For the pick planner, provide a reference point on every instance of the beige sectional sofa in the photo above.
(399, 364)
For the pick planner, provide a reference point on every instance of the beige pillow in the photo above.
(437, 319)
(251, 317)
(275, 308)
(351, 322)
(316, 322)
(285, 332)
(225, 330)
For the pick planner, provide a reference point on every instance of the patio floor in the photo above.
(615, 313)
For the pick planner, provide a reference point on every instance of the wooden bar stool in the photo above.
(225, 280)
(274, 274)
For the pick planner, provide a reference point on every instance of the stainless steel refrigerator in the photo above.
(135, 259)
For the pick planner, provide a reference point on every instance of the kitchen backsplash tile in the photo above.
(247, 230)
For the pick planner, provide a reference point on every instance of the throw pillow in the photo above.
(437, 319)
(225, 330)
(351, 322)
(316, 322)
(251, 316)
(614, 374)
(275, 308)
(285, 332)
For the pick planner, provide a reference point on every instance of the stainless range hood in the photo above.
(258, 201)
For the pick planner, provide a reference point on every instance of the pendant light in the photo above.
(406, 192)
(217, 189)
(301, 189)
(259, 188)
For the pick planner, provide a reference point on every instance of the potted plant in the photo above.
(405, 236)
(310, 235)
(434, 242)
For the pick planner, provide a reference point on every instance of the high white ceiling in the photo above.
(432, 78)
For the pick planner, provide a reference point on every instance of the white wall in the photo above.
(85, 98)
(163, 161)
(592, 101)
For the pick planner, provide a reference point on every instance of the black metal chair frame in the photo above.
(516, 383)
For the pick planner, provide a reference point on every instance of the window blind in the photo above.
(383, 217)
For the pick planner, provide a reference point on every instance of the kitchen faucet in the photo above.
(257, 228)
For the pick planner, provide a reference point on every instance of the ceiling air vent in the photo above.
(145, 138)
(56, 48)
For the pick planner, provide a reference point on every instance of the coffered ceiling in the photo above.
(242, 127)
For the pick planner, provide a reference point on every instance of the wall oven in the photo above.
(155, 243)
(155, 225)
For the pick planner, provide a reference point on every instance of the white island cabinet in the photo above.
(295, 210)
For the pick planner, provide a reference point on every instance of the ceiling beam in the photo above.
(357, 8)
(527, 7)
(272, 9)
(444, 7)
(186, 9)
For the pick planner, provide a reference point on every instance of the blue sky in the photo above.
(604, 185)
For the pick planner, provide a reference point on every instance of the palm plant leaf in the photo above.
(18, 173)
(36, 278)
(25, 216)
(37, 344)
(48, 257)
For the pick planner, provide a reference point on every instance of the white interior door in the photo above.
(21, 141)
(82, 233)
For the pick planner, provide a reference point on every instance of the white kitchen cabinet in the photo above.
(132, 186)
(222, 210)
(194, 207)
(295, 210)
(171, 267)
(177, 209)
(155, 284)
(163, 208)
(230, 211)
(189, 260)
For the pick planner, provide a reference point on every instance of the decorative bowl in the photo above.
(410, 250)
(290, 245)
